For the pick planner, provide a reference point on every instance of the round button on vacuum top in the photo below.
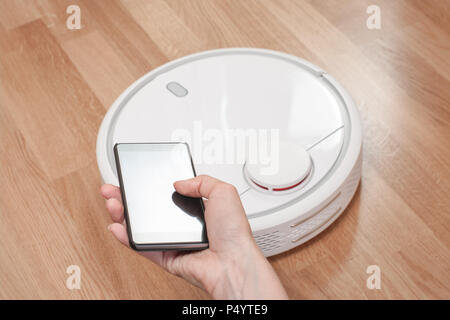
(288, 166)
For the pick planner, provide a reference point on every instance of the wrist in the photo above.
(246, 275)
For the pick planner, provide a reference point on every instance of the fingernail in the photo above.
(109, 227)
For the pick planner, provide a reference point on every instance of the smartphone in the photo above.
(157, 217)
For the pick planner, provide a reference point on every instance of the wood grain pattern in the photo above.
(56, 85)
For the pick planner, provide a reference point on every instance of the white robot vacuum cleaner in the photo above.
(215, 100)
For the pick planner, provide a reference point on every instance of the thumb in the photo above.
(200, 186)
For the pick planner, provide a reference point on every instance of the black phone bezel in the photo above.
(157, 246)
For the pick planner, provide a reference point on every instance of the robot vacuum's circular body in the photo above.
(223, 102)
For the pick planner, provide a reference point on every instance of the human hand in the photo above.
(233, 267)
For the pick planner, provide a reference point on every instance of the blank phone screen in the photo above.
(156, 212)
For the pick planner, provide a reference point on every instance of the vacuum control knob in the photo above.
(288, 167)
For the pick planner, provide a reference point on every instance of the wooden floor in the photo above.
(56, 85)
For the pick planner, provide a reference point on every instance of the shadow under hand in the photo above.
(191, 206)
